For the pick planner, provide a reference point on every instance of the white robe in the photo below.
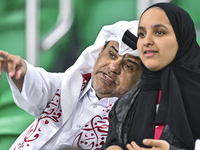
(39, 87)
(87, 123)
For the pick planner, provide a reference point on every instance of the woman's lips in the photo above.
(149, 53)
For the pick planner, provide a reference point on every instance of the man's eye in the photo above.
(111, 55)
(128, 66)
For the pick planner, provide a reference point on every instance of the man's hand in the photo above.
(155, 144)
(14, 66)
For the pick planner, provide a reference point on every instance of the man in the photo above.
(70, 108)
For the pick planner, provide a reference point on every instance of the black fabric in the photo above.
(117, 119)
(119, 124)
(130, 39)
(180, 85)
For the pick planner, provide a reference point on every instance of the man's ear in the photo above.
(100, 53)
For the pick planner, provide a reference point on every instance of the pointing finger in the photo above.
(11, 69)
(4, 54)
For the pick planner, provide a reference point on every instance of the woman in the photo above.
(164, 111)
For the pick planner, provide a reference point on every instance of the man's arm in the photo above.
(32, 88)
(14, 66)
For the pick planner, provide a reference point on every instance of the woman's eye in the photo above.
(159, 32)
(141, 34)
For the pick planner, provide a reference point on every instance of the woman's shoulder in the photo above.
(123, 104)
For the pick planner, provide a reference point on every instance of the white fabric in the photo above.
(197, 144)
(89, 124)
(86, 61)
(118, 29)
(113, 38)
(89, 118)
(40, 86)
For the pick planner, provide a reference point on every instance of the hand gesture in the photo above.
(14, 66)
(155, 144)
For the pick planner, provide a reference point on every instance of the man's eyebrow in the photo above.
(114, 48)
(131, 61)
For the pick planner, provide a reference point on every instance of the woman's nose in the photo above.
(148, 40)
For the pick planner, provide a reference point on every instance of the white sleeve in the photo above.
(38, 89)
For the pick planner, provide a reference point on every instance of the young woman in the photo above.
(164, 112)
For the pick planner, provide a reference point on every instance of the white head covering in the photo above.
(117, 30)
(109, 32)
(72, 81)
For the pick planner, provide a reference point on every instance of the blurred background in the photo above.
(52, 34)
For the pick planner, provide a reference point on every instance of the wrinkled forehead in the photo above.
(123, 48)
(126, 56)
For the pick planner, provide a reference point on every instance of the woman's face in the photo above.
(157, 42)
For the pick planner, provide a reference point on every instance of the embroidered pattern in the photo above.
(86, 78)
(93, 135)
(51, 114)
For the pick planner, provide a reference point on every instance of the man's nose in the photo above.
(115, 66)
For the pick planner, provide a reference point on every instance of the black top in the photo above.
(179, 83)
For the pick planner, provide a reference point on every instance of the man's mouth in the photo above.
(107, 76)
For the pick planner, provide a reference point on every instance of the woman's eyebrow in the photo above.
(155, 26)
(160, 25)
(141, 28)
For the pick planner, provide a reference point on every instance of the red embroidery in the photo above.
(52, 112)
(98, 126)
(93, 134)
(86, 78)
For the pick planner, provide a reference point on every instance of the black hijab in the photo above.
(179, 83)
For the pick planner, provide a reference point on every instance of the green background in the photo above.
(89, 17)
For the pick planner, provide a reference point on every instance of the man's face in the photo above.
(114, 75)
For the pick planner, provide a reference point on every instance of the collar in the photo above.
(92, 94)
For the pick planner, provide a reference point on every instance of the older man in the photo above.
(71, 108)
